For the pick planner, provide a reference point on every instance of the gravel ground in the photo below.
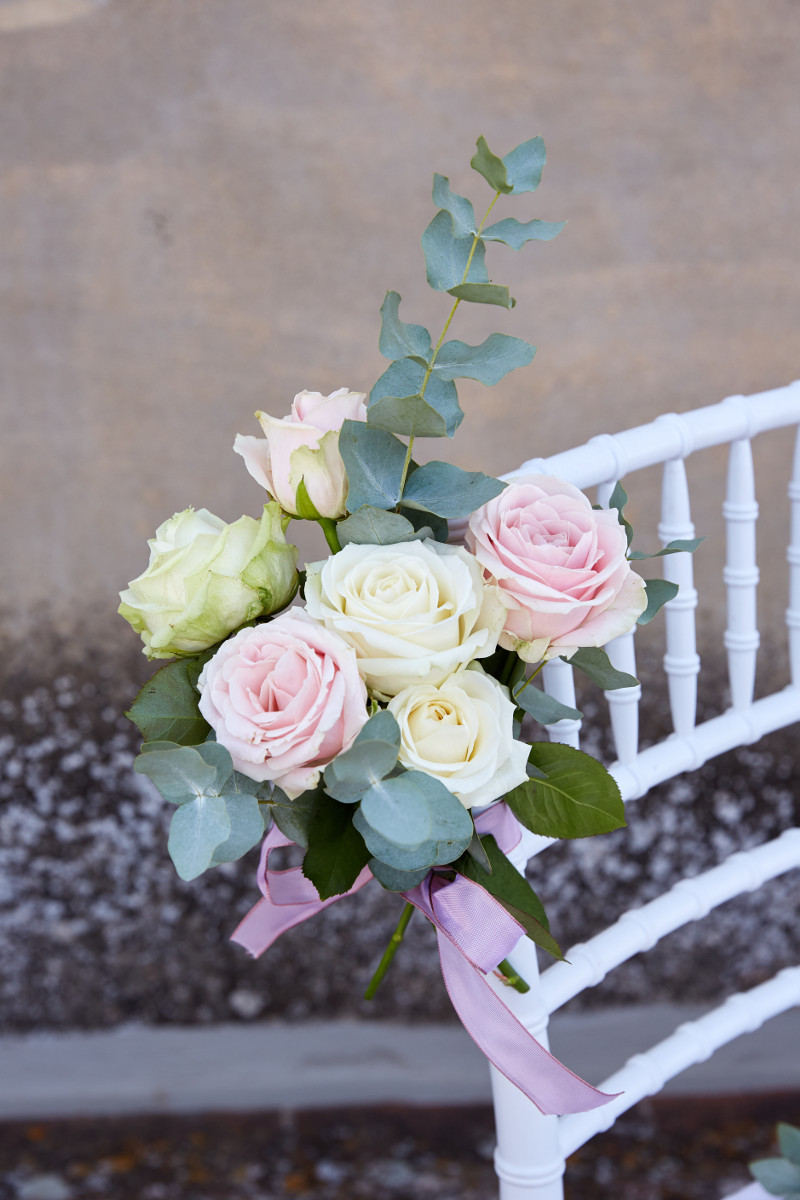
(661, 1150)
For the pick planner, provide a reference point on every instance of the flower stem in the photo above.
(328, 527)
(530, 677)
(389, 952)
(510, 977)
(443, 335)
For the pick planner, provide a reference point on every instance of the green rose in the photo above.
(206, 578)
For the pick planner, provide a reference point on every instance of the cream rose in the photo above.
(304, 448)
(284, 697)
(561, 567)
(461, 732)
(414, 612)
(206, 578)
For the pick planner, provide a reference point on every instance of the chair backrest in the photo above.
(531, 1148)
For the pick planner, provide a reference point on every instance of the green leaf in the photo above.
(197, 828)
(541, 706)
(459, 207)
(488, 363)
(336, 852)
(515, 233)
(182, 773)
(447, 491)
(659, 592)
(397, 340)
(524, 165)
(397, 810)
(247, 827)
(372, 755)
(446, 255)
(678, 546)
(374, 461)
(776, 1176)
(396, 403)
(477, 852)
(293, 817)
(166, 707)
(375, 527)
(514, 892)
(789, 1142)
(618, 500)
(393, 880)
(578, 798)
(483, 293)
(595, 663)
(492, 168)
(451, 824)
(425, 523)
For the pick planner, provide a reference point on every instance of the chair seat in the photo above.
(754, 1191)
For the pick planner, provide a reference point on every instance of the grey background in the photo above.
(202, 204)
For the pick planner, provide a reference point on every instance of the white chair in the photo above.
(531, 1148)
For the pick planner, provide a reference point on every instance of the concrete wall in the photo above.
(202, 203)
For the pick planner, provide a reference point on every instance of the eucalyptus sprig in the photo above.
(390, 496)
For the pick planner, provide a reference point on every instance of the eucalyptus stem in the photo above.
(511, 978)
(389, 952)
(443, 335)
(328, 527)
(532, 675)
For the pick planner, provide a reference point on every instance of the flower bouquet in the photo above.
(370, 708)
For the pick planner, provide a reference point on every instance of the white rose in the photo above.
(206, 578)
(414, 612)
(461, 732)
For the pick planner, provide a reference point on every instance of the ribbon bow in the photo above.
(474, 933)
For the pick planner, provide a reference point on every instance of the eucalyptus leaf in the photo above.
(541, 706)
(777, 1176)
(426, 524)
(488, 363)
(483, 293)
(447, 256)
(659, 592)
(397, 810)
(393, 880)
(375, 527)
(397, 404)
(578, 798)
(447, 491)
(372, 755)
(789, 1142)
(595, 663)
(247, 827)
(618, 500)
(397, 340)
(374, 461)
(452, 826)
(678, 546)
(336, 853)
(166, 707)
(197, 828)
(524, 165)
(515, 233)
(459, 208)
(492, 168)
(180, 773)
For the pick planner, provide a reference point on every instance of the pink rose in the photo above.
(304, 448)
(561, 567)
(284, 698)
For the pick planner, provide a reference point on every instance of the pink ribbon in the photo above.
(474, 933)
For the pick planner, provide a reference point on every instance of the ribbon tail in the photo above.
(553, 1088)
(266, 921)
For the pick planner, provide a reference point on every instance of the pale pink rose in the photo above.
(561, 567)
(284, 698)
(304, 448)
